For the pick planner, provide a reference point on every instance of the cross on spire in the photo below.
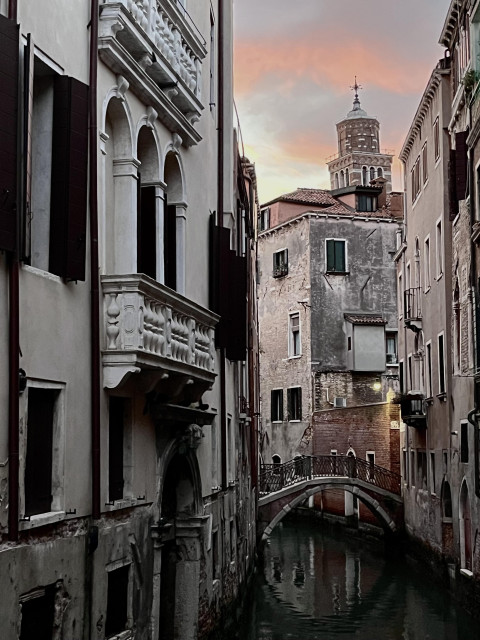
(356, 87)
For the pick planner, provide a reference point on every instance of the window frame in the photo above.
(425, 163)
(442, 386)
(294, 404)
(389, 334)
(280, 263)
(277, 415)
(427, 283)
(439, 255)
(57, 509)
(428, 363)
(293, 341)
(436, 138)
(345, 256)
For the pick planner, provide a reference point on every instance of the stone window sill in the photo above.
(41, 519)
(467, 573)
(123, 504)
(123, 635)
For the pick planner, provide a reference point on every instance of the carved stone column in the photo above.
(181, 246)
(125, 217)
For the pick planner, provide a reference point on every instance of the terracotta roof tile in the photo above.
(308, 196)
(364, 319)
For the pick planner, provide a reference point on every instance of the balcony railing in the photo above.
(412, 306)
(157, 48)
(148, 326)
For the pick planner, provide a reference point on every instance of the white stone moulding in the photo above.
(153, 46)
(149, 326)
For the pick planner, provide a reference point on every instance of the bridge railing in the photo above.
(274, 477)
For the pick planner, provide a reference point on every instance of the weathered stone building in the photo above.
(130, 395)
(438, 276)
(327, 314)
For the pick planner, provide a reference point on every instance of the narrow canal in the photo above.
(320, 584)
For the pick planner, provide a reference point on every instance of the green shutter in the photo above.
(330, 255)
(339, 255)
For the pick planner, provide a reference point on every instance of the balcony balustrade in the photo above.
(413, 309)
(157, 49)
(150, 328)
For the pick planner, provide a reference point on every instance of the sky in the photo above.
(294, 64)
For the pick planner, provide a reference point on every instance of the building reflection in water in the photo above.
(321, 586)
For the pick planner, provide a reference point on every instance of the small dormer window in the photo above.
(366, 203)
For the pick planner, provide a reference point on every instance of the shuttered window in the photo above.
(146, 231)
(336, 256)
(461, 165)
(9, 47)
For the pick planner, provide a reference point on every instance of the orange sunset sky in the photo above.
(295, 62)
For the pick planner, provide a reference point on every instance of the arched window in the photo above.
(276, 459)
(446, 501)
(347, 178)
(174, 225)
(372, 173)
(342, 179)
(379, 172)
(336, 181)
(147, 204)
(364, 176)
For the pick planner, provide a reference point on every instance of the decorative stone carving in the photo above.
(191, 438)
(152, 115)
(176, 142)
(122, 87)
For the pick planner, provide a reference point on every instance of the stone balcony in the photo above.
(153, 331)
(156, 48)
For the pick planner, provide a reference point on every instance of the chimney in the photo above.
(382, 197)
(396, 205)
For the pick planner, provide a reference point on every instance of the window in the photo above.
(336, 182)
(294, 344)
(410, 372)
(347, 178)
(432, 471)
(364, 176)
(38, 613)
(439, 249)
(366, 203)
(43, 460)
(294, 403)
(404, 462)
(265, 219)
(371, 465)
(379, 172)
(425, 162)
(421, 469)
(415, 175)
(117, 601)
(464, 442)
(391, 347)
(118, 438)
(426, 263)
(436, 139)
(441, 365)
(336, 256)
(56, 170)
(400, 301)
(428, 348)
(276, 405)
(372, 173)
(280, 263)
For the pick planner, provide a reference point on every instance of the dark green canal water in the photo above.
(323, 585)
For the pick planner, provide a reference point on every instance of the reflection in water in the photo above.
(320, 586)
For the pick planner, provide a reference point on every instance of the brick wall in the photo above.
(357, 388)
(363, 428)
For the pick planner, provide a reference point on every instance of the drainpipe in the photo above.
(94, 271)
(220, 159)
(13, 367)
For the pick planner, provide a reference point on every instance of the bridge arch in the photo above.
(385, 519)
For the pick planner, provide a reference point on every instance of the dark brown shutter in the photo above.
(452, 185)
(237, 311)
(289, 404)
(29, 70)
(461, 164)
(69, 179)
(9, 46)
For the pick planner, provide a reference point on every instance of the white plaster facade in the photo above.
(181, 518)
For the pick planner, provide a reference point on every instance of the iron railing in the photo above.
(274, 477)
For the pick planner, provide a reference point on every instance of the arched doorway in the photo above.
(177, 549)
(447, 524)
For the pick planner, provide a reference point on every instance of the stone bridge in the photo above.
(285, 486)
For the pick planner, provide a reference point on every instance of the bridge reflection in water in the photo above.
(318, 584)
(285, 486)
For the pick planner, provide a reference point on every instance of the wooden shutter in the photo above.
(330, 255)
(68, 213)
(339, 255)
(237, 308)
(299, 398)
(461, 164)
(25, 228)
(9, 46)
